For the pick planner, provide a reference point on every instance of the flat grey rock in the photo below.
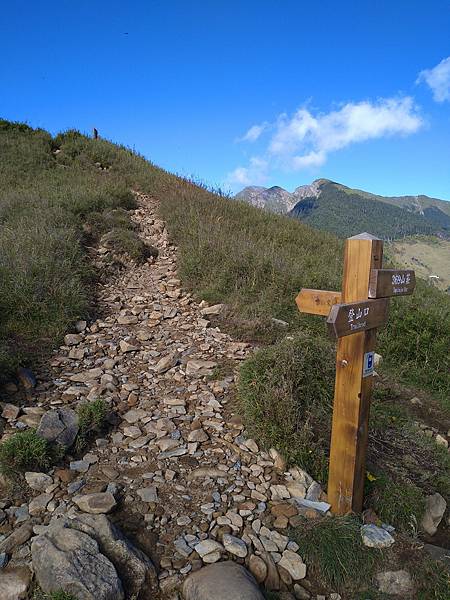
(38, 481)
(222, 581)
(59, 425)
(438, 553)
(395, 583)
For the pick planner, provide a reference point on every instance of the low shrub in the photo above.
(127, 241)
(285, 395)
(25, 451)
(99, 223)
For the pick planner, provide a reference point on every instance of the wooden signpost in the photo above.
(354, 314)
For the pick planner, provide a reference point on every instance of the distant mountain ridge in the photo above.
(345, 211)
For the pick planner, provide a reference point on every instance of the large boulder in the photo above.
(222, 581)
(135, 569)
(70, 560)
(59, 425)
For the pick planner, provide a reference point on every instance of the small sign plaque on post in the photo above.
(369, 363)
(353, 318)
(384, 283)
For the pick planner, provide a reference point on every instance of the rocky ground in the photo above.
(176, 474)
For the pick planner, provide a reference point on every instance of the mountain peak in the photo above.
(345, 211)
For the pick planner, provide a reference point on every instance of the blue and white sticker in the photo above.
(369, 361)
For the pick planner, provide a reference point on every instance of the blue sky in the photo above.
(332, 88)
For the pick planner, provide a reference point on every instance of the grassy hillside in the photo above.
(53, 191)
(428, 255)
(347, 212)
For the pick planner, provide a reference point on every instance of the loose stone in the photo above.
(293, 564)
(376, 537)
(99, 503)
(235, 545)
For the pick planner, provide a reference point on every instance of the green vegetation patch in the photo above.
(126, 241)
(92, 420)
(346, 212)
(398, 502)
(285, 393)
(25, 451)
(56, 195)
(257, 262)
(38, 594)
(334, 552)
(433, 581)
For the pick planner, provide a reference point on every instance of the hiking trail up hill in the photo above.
(176, 471)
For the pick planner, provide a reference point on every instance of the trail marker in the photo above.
(353, 318)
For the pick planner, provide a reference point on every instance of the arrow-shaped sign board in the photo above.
(384, 283)
(345, 319)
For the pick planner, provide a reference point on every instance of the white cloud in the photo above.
(438, 80)
(254, 174)
(254, 133)
(313, 159)
(304, 140)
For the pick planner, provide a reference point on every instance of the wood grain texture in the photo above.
(317, 302)
(347, 319)
(385, 283)
(352, 392)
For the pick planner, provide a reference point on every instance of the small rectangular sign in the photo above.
(346, 319)
(369, 362)
(385, 283)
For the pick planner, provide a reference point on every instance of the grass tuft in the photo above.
(91, 420)
(38, 594)
(127, 241)
(24, 451)
(400, 503)
(334, 552)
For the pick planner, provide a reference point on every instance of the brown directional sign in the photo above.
(353, 317)
(352, 312)
(385, 283)
(317, 302)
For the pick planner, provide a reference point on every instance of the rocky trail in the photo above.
(175, 473)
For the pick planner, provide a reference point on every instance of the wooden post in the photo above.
(363, 253)
(353, 317)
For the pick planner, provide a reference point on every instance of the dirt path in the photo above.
(178, 462)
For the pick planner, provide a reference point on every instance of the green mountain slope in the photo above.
(58, 195)
(346, 213)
